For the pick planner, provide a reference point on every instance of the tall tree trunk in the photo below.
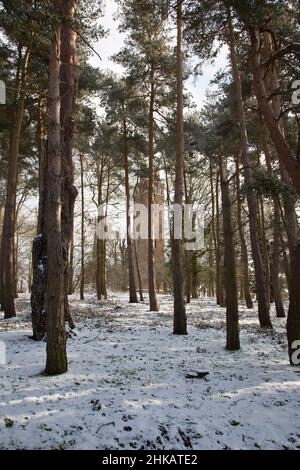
(263, 245)
(9, 222)
(261, 291)
(292, 166)
(71, 269)
(272, 86)
(232, 315)
(214, 235)
(286, 261)
(68, 91)
(103, 283)
(275, 265)
(243, 244)
(219, 268)
(82, 274)
(151, 281)
(100, 170)
(130, 247)
(276, 260)
(187, 254)
(179, 326)
(56, 362)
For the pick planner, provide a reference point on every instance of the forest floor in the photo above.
(127, 388)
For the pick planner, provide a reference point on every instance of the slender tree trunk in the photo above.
(214, 235)
(276, 261)
(194, 287)
(82, 276)
(263, 246)
(9, 223)
(275, 265)
(130, 247)
(232, 315)
(100, 170)
(188, 254)
(103, 243)
(286, 263)
(219, 269)
(151, 281)
(56, 362)
(243, 244)
(261, 291)
(180, 326)
(71, 269)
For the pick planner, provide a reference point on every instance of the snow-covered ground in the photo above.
(127, 388)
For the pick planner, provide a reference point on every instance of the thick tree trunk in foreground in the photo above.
(232, 315)
(56, 362)
(151, 281)
(179, 326)
(261, 291)
(68, 92)
(130, 246)
(9, 222)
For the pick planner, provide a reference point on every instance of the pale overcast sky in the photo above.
(114, 41)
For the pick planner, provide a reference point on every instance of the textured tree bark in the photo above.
(232, 315)
(9, 223)
(151, 281)
(261, 291)
(179, 325)
(56, 362)
(68, 92)
(130, 247)
(82, 274)
(243, 244)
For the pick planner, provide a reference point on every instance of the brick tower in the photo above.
(141, 197)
